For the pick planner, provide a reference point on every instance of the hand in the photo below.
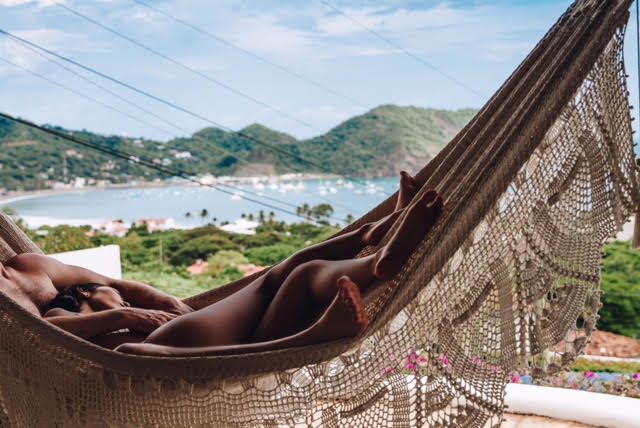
(175, 306)
(146, 320)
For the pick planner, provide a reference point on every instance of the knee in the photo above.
(182, 331)
(307, 270)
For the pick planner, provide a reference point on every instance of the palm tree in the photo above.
(204, 214)
(349, 219)
(188, 214)
(272, 217)
(251, 217)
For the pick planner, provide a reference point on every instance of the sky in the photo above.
(462, 51)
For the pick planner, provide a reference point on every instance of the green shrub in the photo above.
(585, 365)
(620, 312)
(258, 240)
(223, 260)
(201, 248)
(270, 254)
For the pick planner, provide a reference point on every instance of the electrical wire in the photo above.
(194, 137)
(139, 161)
(373, 156)
(253, 55)
(405, 51)
(188, 68)
(236, 188)
(175, 106)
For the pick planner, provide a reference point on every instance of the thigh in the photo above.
(232, 320)
(306, 292)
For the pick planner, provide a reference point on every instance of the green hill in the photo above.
(377, 143)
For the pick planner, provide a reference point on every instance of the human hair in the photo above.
(70, 298)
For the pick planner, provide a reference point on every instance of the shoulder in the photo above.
(58, 312)
(28, 261)
(31, 262)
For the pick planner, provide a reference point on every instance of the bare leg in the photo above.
(345, 246)
(224, 326)
(308, 290)
(407, 190)
(345, 317)
(420, 218)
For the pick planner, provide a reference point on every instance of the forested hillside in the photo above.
(378, 143)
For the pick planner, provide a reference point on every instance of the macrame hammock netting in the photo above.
(508, 279)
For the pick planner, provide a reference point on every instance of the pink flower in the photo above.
(589, 375)
(412, 357)
(387, 370)
(445, 361)
(410, 366)
(476, 360)
(496, 369)
(515, 378)
(635, 376)
(423, 359)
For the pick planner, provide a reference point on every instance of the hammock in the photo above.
(507, 279)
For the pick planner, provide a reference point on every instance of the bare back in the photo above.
(26, 283)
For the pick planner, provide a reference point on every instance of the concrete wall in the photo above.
(103, 260)
(592, 408)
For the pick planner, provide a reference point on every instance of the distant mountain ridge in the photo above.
(377, 143)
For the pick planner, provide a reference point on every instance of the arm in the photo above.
(63, 275)
(97, 323)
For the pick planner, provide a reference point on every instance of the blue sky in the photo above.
(477, 42)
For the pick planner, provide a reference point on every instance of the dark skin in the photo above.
(311, 297)
(33, 280)
(280, 309)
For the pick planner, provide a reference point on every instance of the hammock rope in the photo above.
(508, 278)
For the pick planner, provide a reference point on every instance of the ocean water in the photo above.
(95, 206)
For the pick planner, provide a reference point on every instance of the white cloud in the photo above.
(264, 34)
(334, 24)
(41, 3)
(56, 40)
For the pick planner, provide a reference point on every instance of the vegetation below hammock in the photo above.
(375, 144)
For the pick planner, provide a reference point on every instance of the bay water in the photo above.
(94, 206)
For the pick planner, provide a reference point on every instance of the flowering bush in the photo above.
(625, 384)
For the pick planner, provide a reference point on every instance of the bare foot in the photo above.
(408, 189)
(345, 316)
(421, 217)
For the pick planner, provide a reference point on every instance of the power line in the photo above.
(143, 162)
(256, 56)
(77, 93)
(175, 106)
(95, 100)
(188, 68)
(104, 88)
(253, 55)
(405, 51)
(166, 121)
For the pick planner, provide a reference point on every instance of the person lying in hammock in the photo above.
(311, 297)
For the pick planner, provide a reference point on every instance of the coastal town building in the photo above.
(154, 225)
(116, 228)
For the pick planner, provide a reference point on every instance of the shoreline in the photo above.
(14, 196)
